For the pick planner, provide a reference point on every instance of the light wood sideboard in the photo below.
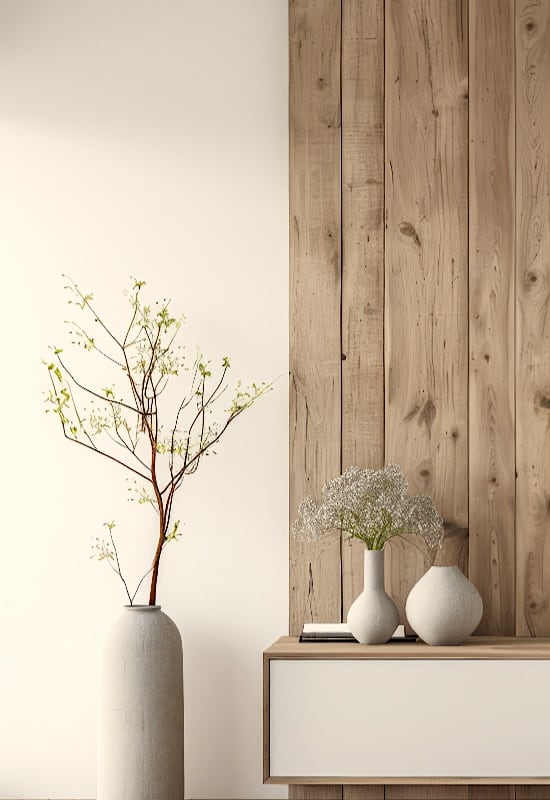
(344, 713)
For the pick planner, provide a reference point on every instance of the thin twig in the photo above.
(118, 564)
(96, 394)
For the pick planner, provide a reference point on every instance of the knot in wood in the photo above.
(406, 229)
(542, 400)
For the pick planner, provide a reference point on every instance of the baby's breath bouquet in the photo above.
(372, 505)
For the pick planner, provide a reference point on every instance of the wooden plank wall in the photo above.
(420, 296)
(426, 341)
(492, 312)
(363, 246)
(533, 317)
(315, 291)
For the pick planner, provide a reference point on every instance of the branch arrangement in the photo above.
(127, 425)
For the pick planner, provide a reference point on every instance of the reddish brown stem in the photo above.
(156, 563)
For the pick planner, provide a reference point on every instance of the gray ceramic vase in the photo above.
(373, 616)
(140, 746)
(444, 607)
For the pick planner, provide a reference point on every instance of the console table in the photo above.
(345, 713)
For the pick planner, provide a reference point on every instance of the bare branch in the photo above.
(96, 449)
(96, 394)
(118, 564)
(134, 302)
(93, 348)
(86, 304)
(183, 405)
(178, 477)
(148, 359)
(139, 585)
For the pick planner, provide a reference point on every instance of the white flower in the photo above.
(372, 505)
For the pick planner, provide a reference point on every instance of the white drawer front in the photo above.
(407, 718)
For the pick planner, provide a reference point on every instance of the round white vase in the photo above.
(373, 616)
(140, 745)
(444, 607)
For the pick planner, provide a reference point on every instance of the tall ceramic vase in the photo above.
(444, 607)
(140, 747)
(373, 616)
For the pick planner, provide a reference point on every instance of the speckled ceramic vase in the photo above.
(140, 745)
(373, 616)
(444, 607)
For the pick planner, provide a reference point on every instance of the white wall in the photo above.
(142, 137)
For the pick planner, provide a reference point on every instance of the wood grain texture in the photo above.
(426, 80)
(362, 254)
(492, 792)
(315, 298)
(315, 289)
(317, 792)
(492, 311)
(533, 317)
(455, 549)
(532, 793)
(426, 792)
(363, 793)
(430, 315)
(475, 647)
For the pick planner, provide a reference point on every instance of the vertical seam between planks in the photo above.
(292, 300)
(514, 292)
(341, 293)
(384, 247)
(383, 271)
(468, 309)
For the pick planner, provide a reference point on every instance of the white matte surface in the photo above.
(402, 718)
(140, 742)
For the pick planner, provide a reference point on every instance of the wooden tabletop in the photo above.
(475, 647)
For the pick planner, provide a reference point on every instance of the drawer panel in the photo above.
(409, 718)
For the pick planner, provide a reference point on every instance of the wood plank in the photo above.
(317, 792)
(426, 260)
(362, 254)
(315, 353)
(475, 647)
(426, 792)
(363, 793)
(455, 548)
(532, 793)
(315, 294)
(492, 300)
(431, 792)
(533, 317)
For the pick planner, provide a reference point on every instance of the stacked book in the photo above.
(339, 632)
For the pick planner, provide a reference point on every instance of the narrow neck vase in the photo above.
(373, 616)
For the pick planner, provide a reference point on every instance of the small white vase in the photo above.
(444, 607)
(140, 745)
(373, 616)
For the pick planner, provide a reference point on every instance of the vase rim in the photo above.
(142, 607)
